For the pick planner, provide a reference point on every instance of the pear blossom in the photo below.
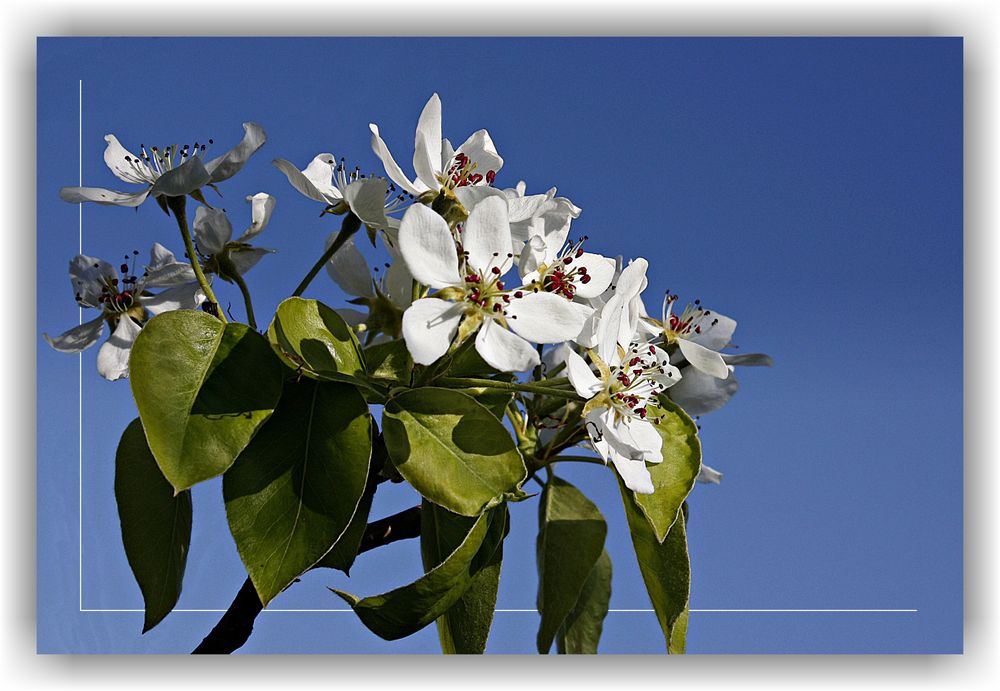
(565, 270)
(327, 180)
(467, 269)
(124, 303)
(618, 420)
(698, 334)
(171, 172)
(618, 308)
(213, 236)
(436, 164)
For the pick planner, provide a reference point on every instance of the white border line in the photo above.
(265, 611)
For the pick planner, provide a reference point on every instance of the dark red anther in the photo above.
(518, 294)
(697, 329)
(497, 307)
(567, 260)
(499, 285)
(641, 412)
(475, 179)
(585, 279)
(579, 253)
(495, 270)
(123, 268)
(634, 361)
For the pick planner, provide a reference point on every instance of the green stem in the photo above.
(251, 320)
(472, 383)
(575, 459)
(350, 225)
(178, 206)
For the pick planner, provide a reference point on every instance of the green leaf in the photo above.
(452, 450)
(571, 532)
(406, 610)
(581, 631)
(678, 638)
(199, 407)
(465, 627)
(292, 493)
(156, 524)
(665, 569)
(390, 361)
(316, 341)
(345, 550)
(674, 478)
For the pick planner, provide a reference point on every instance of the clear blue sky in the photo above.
(810, 188)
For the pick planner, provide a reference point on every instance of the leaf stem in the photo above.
(537, 388)
(251, 320)
(350, 225)
(179, 206)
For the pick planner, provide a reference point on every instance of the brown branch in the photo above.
(236, 625)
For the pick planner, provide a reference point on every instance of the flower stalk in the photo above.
(350, 225)
(179, 206)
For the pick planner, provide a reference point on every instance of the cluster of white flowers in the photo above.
(469, 260)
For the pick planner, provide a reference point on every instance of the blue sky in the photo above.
(809, 188)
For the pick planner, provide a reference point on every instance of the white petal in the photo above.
(245, 258)
(349, 270)
(546, 318)
(470, 195)
(553, 357)
(261, 208)
(79, 337)
(632, 279)
(716, 331)
(316, 181)
(398, 284)
(580, 376)
(634, 474)
(164, 270)
(184, 179)
(601, 271)
(709, 475)
(126, 165)
(700, 357)
(231, 162)
(749, 360)
(112, 359)
(183, 297)
(367, 200)
(78, 195)
(522, 208)
(647, 439)
(486, 236)
(609, 327)
(427, 142)
(428, 248)
(699, 393)
(89, 276)
(392, 168)
(429, 325)
(588, 334)
(212, 229)
(481, 151)
(504, 350)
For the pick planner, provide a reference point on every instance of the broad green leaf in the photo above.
(406, 610)
(465, 627)
(345, 550)
(156, 525)
(674, 478)
(390, 361)
(571, 532)
(452, 450)
(203, 389)
(665, 569)
(292, 493)
(581, 631)
(678, 638)
(316, 341)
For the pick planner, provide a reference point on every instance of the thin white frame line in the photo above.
(640, 611)
(79, 356)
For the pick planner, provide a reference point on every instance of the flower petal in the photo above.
(112, 359)
(78, 195)
(164, 270)
(245, 258)
(700, 357)
(231, 162)
(504, 350)
(633, 279)
(182, 297)
(427, 142)
(428, 248)
(126, 165)
(716, 331)
(261, 208)
(316, 181)
(580, 376)
(749, 360)
(699, 393)
(184, 179)
(470, 195)
(481, 151)
(349, 270)
(546, 318)
(429, 325)
(79, 337)
(647, 439)
(486, 236)
(89, 276)
(212, 230)
(634, 474)
(392, 169)
(711, 475)
(367, 200)
(601, 271)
